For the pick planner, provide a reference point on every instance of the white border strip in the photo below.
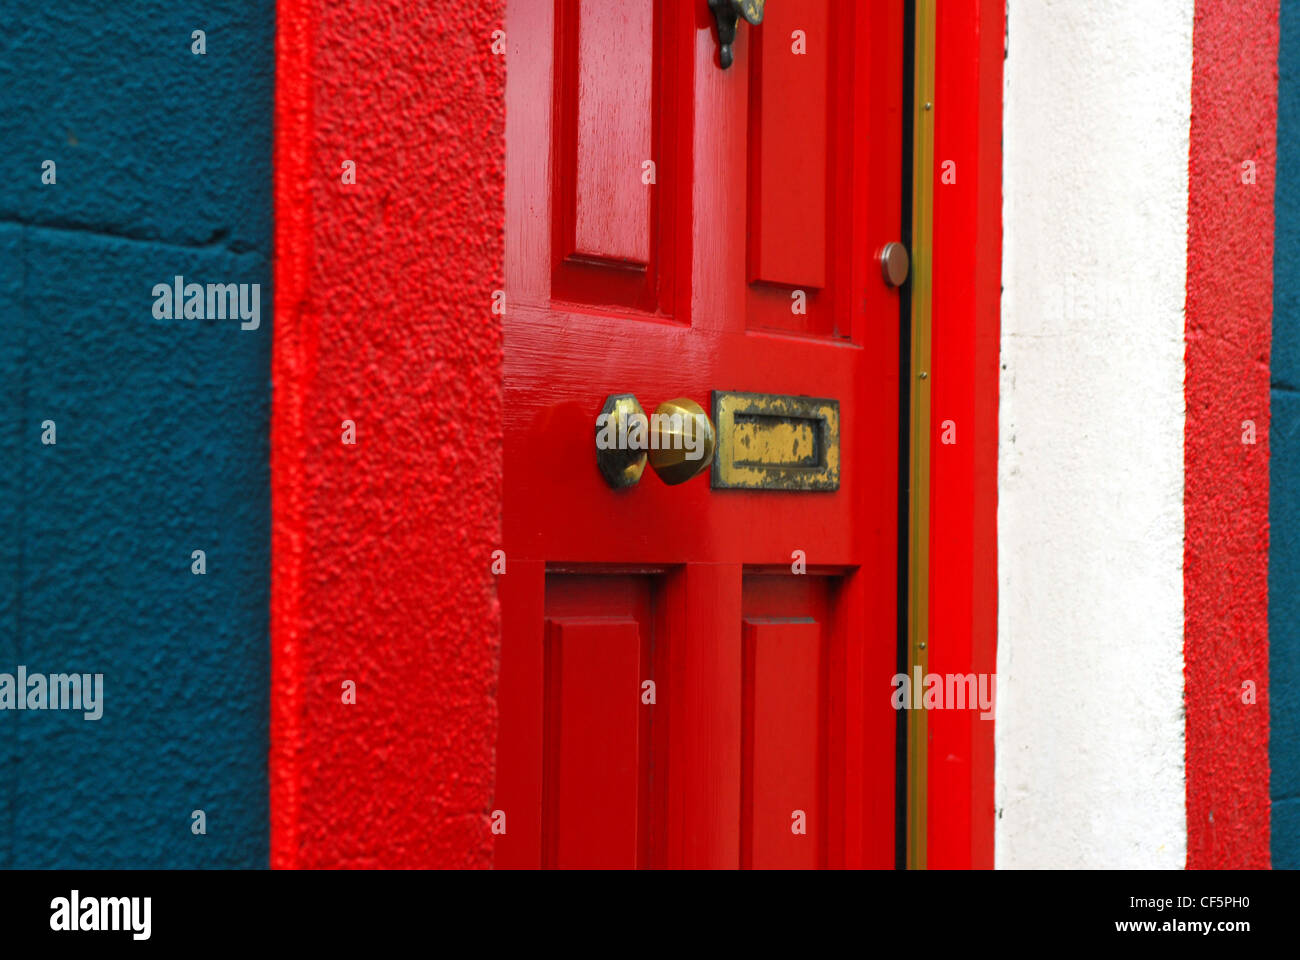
(1089, 739)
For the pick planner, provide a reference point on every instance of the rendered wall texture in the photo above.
(1089, 736)
(162, 168)
(1229, 304)
(1284, 499)
(382, 549)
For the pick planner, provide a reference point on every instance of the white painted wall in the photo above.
(1089, 737)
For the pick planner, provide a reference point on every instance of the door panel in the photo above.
(575, 741)
(592, 742)
(612, 231)
(780, 174)
(612, 141)
(787, 636)
(600, 639)
(787, 151)
(782, 789)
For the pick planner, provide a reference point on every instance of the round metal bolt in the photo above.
(894, 263)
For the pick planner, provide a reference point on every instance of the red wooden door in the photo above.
(676, 688)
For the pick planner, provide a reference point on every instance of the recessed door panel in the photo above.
(592, 742)
(788, 160)
(801, 213)
(789, 638)
(782, 819)
(613, 131)
(611, 224)
(576, 731)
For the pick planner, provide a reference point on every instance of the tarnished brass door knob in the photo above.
(620, 457)
(677, 440)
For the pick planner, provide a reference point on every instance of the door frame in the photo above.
(953, 313)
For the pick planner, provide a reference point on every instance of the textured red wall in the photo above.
(381, 550)
(1229, 315)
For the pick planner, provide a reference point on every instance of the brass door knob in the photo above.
(685, 440)
(677, 440)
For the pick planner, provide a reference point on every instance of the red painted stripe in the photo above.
(293, 246)
(1229, 316)
(965, 348)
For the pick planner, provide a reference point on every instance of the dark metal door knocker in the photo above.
(727, 12)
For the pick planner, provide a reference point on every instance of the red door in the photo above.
(699, 674)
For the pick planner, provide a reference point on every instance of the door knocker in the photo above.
(727, 12)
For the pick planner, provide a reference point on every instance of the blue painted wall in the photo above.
(1284, 493)
(163, 168)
